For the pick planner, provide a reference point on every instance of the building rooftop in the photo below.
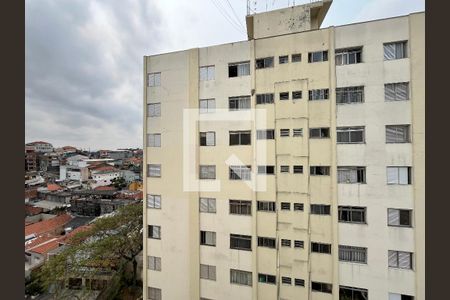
(47, 225)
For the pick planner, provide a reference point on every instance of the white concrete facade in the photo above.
(179, 87)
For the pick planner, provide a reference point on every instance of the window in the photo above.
(154, 79)
(240, 207)
(266, 62)
(239, 69)
(352, 214)
(296, 57)
(267, 134)
(154, 293)
(299, 244)
(285, 132)
(320, 209)
(321, 287)
(353, 254)
(284, 96)
(208, 238)
(351, 174)
(154, 263)
(400, 259)
(397, 134)
(207, 105)
(266, 206)
(285, 206)
(298, 169)
(285, 243)
(240, 137)
(319, 170)
(351, 94)
(207, 73)
(154, 232)
(153, 170)
(396, 91)
(240, 172)
(154, 201)
(319, 133)
(239, 103)
(284, 59)
(207, 172)
(208, 138)
(319, 94)
(317, 56)
(154, 140)
(264, 98)
(207, 205)
(240, 277)
(154, 110)
(352, 293)
(266, 170)
(350, 135)
(208, 272)
(320, 248)
(297, 95)
(286, 280)
(284, 169)
(298, 206)
(348, 56)
(266, 242)
(240, 242)
(297, 132)
(393, 296)
(265, 278)
(396, 50)
(399, 217)
(398, 175)
(299, 282)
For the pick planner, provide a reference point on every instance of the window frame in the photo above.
(349, 131)
(208, 109)
(267, 98)
(240, 206)
(267, 62)
(237, 242)
(156, 138)
(320, 209)
(240, 134)
(236, 100)
(352, 254)
(323, 133)
(397, 259)
(210, 73)
(152, 203)
(397, 128)
(150, 166)
(210, 208)
(349, 211)
(154, 79)
(207, 177)
(266, 206)
(399, 211)
(313, 170)
(313, 59)
(265, 134)
(203, 135)
(361, 174)
(343, 56)
(238, 69)
(208, 238)
(350, 95)
(318, 94)
(154, 232)
(152, 112)
(240, 172)
(405, 50)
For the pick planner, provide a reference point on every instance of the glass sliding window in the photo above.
(396, 50)
(154, 140)
(352, 293)
(208, 238)
(207, 205)
(266, 62)
(240, 242)
(348, 56)
(240, 277)
(240, 137)
(239, 103)
(353, 254)
(240, 207)
(266, 206)
(264, 98)
(318, 94)
(317, 56)
(265, 134)
(350, 135)
(240, 172)
(398, 134)
(208, 138)
(319, 170)
(153, 170)
(319, 133)
(284, 59)
(154, 79)
(351, 94)
(154, 201)
(207, 73)
(207, 172)
(351, 174)
(320, 209)
(266, 242)
(207, 105)
(398, 91)
(296, 57)
(154, 110)
(398, 175)
(352, 214)
(400, 259)
(239, 69)
(399, 217)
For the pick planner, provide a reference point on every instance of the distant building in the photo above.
(40, 146)
(30, 159)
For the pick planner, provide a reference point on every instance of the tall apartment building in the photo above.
(288, 166)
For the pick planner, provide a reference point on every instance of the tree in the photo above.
(111, 244)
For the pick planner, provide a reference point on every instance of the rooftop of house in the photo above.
(53, 187)
(31, 210)
(47, 225)
(105, 188)
(37, 142)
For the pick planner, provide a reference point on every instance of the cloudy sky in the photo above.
(84, 57)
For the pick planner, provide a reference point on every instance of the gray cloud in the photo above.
(84, 70)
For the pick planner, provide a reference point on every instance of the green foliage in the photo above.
(119, 182)
(110, 243)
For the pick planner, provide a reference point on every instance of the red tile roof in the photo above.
(47, 225)
(53, 187)
(46, 247)
(102, 168)
(105, 188)
(31, 210)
